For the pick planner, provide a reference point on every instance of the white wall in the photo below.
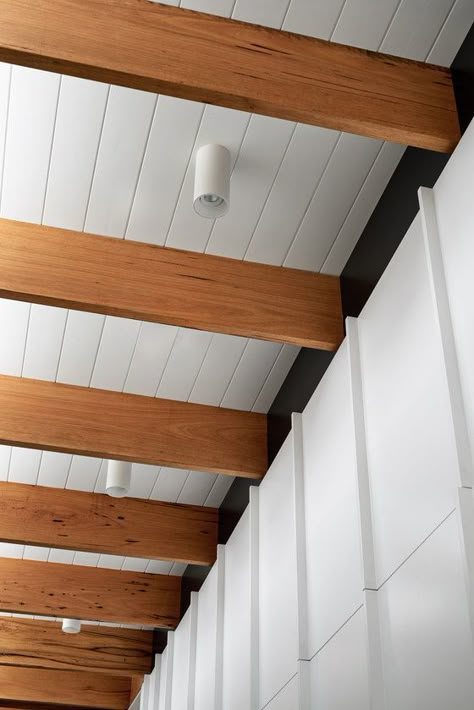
(349, 582)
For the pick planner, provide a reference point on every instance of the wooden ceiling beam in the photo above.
(79, 592)
(173, 51)
(114, 425)
(76, 688)
(136, 280)
(94, 522)
(41, 644)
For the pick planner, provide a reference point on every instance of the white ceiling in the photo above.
(113, 161)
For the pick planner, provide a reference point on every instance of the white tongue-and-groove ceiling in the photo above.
(113, 161)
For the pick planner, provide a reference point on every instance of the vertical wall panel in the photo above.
(334, 567)
(278, 620)
(166, 674)
(455, 217)
(410, 441)
(425, 627)
(184, 659)
(339, 672)
(208, 684)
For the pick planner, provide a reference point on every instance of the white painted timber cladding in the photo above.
(408, 641)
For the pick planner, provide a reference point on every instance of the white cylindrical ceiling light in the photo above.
(71, 626)
(212, 181)
(119, 475)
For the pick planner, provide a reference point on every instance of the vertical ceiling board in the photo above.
(11, 549)
(354, 29)
(219, 365)
(218, 491)
(5, 453)
(133, 564)
(53, 469)
(349, 165)
(30, 127)
(110, 561)
(453, 33)
(169, 484)
(35, 553)
(24, 465)
(115, 353)
(275, 379)
(197, 487)
(83, 473)
(42, 353)
(270, 13)
(81, 341)
(410, 37)
(224, 126)
(212, 7)
(360, 212)
(159, 567)
(153, 348)
(315, 19)
(64, 557)
(188, 352)
(250, 374)
(14, 318)
(307, 156)
(167, 155)
(260, 157)
(124, 136)
(79, 122)
(87, 559)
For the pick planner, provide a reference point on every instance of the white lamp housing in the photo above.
(71, 626)
(119, 475)
(212, 181)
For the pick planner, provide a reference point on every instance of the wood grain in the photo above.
(136, 686)
(75, 591)
(134, 280)
(93, 522)
(42, 644)
(206, 58)
(64, 687)
(113, 425)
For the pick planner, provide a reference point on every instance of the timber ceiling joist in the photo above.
(134, 280)
(81, 689)
(93, 522)
(187, 54)
(75, 591)
(97, 649)
(113, 425)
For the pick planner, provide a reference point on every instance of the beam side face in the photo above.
(219, 61)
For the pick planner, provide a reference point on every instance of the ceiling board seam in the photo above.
(354, 202)
(313, 195)
(390, 25)
(267, 378)
(185, 175)
(96, 159)
(53, 137)
(140, 167)
(270, 191)
(167, 361)
(443, 25)
(337, 19)
(235, 370)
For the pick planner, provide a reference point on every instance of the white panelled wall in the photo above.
(348, 583)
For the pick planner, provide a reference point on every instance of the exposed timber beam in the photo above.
(113, 425)
(93, 522)
(64, 688)
(136, 280)
(206, 58)
(118, 596)
(42, 644)
(136, 686)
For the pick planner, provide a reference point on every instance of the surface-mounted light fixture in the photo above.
(212, 181)
(71, 626)
(119, 474)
